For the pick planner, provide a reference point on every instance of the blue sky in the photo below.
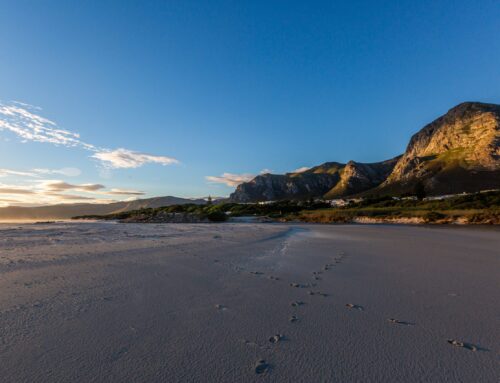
(207, 88)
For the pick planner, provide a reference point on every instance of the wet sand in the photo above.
(107, 302)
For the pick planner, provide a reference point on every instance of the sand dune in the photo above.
(109, 302)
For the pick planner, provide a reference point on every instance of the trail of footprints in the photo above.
(262, 366)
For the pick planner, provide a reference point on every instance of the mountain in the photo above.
(357, 177)
(65, 211)
(269, 187)
(329, 180)
(458, 152)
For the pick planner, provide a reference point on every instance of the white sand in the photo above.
(105, 302)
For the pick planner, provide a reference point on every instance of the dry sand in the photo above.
(108, 302)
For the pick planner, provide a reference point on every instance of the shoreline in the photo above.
(356, 221)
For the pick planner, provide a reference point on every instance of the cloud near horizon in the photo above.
(124, 192)
(24, 121)
(231, 179)
(68, 172)
(15, 190)
(62, 186)
(37, 173)
(47, 192)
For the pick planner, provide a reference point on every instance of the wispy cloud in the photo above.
(25, 121)
(124, 192)
(37, 173)
(126, 159)
(13, 189)
(10, 172)
(233, 180)
(74, 198)
(44, 192)
(68, 172)
(230, 179)
(22, 120)
(61, 186)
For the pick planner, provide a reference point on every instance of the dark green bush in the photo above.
(217, 216)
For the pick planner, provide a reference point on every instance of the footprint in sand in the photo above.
(397, 321)
(302, 286)
(261, 366)
(297, 303)
(353, 306)
(458, 343)
(317, 293)
(107, 299)
(276, 338)
(293, 319)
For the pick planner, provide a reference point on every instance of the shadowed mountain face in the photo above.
(329, 180)
(357, 177)
(65, 211)
(269, 187)
(458, 152)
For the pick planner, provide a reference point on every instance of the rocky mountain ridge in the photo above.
(457, 152)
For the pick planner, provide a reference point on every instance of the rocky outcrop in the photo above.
(457, 152)
(357, 177)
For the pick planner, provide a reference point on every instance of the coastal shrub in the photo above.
(217, 216)
(433, 216)
(430, 210)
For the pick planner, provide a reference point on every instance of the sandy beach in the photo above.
(248, 302)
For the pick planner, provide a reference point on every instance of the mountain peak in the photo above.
(459, 151)
(473, 106)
